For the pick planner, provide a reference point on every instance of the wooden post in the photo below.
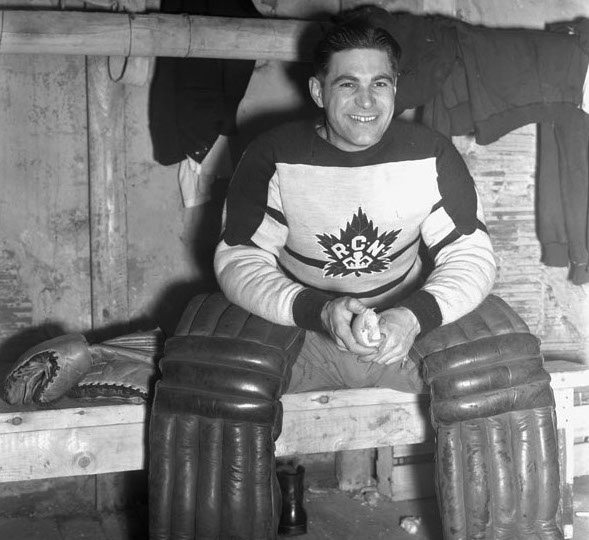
(108, 212)
(155, 34)
(108, 222)
(354, 469)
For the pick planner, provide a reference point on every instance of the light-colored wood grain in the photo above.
(13, 421)
(101, 438)
(352, 427)
(44, 243)
(334, 399)
(69, 452)
(117, 34)
(567, 374)
(108, 205)
(580, 420)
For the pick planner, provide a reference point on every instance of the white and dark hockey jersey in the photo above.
(305, 221)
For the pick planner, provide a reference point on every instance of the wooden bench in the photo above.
(85, 439)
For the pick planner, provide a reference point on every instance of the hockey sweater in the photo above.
(305, 221)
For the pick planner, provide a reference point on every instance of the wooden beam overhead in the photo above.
(154, 34)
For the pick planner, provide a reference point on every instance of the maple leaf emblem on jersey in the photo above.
(358, 250)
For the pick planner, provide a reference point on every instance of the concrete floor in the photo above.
(333, 515)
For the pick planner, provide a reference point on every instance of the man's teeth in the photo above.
(363, 118)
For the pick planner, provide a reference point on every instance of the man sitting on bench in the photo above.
(324, 225)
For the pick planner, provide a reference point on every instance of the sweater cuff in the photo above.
(306, 309)
(425, 308)
(555, 254)
(579, 273)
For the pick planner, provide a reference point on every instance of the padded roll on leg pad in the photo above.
(497, 475)
(497, 478)
(215, 417)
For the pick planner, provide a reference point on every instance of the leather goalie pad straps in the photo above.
(215, 417)
(493, 410)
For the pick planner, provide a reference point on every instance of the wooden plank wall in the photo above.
(505, 176)
(45, 246)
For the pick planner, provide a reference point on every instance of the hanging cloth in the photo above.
(194, 100)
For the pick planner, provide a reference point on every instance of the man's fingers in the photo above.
(385, 360)
(361, 350)
(387, 354)
(337, 316)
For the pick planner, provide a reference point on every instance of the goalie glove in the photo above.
(45, 372)
(120, 368)
(123, 368)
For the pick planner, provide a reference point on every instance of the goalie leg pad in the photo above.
(497, 478)
(493, 409)
(216, 415)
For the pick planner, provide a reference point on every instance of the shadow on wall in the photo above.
(278, 93)
(265, 106)
(202, 232)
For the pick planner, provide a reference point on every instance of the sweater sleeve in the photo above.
(465, 269)
(249, 277)
(255, 231)
(459, 245)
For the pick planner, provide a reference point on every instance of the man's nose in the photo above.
(365, 98)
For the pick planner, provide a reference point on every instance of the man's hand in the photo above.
(337, 316)
(400, 327)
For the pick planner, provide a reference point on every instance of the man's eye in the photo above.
(381, 84)
(346, 85)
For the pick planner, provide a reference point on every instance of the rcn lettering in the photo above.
(358, 253)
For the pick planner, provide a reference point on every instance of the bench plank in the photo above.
(565, 374)
(102, 437)
(317, 422)
(50, 453)
(14, 421)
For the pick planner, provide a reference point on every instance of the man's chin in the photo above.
(367, 133)
(366, 141)
(359, 138)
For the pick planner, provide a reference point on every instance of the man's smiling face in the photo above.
(358, 95)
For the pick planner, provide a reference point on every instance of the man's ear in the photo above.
(316, 91)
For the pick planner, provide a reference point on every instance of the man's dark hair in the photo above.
(355, 31)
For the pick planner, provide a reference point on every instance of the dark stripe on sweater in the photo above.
(364, 294)
(436, 206)
(305, 260)
(453, 236)
(276, 215)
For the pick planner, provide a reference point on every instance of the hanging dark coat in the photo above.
(194, 100)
